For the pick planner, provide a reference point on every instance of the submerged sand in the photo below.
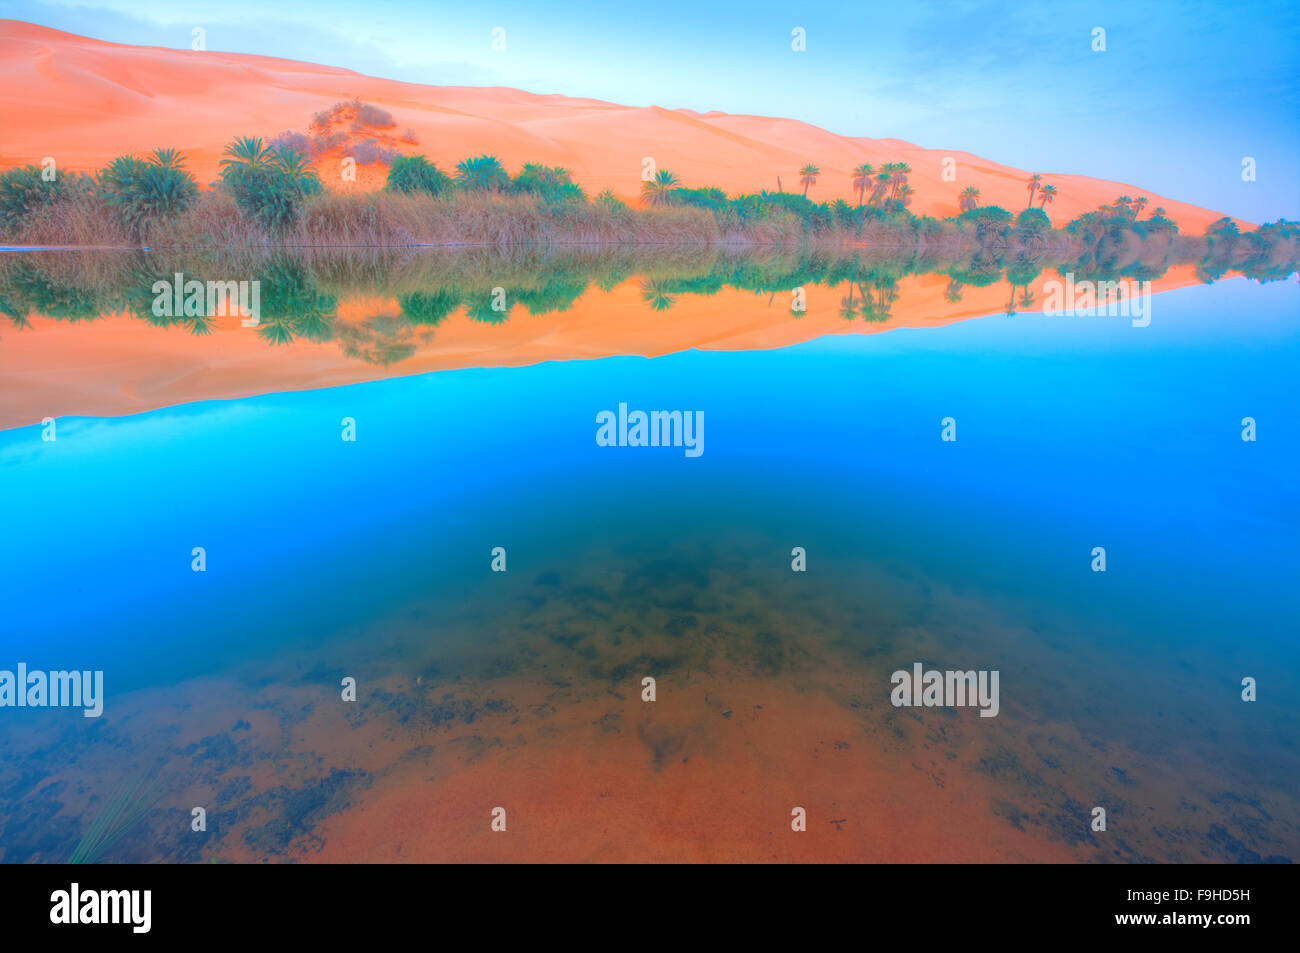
(769, 697)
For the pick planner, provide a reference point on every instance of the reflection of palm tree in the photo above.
(382, 339)
(952, 294)
(201, 324)
(655, 294)
(848, 307)
(877, 310)
(275, 331)
(808, 176)
(658, 191)
(293, 305)
(862, 178)
(480, 309)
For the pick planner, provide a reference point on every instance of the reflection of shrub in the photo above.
(416, 174)
(430, 308)
(28, 288)
(23, 191)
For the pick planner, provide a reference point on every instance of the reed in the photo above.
(120, 813)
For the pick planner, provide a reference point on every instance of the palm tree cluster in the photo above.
(552, 184)
(1132, 207)
(144, 191)
(268, 183)
(1046, 193)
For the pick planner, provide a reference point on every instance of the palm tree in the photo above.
(905, 194)
(658, 191)
(808, 176)
(862, 178)
(898, 176)
(1033, 187)
(970, 198)
(1047, 194)
(1124, 204)
(882, 183)
(481, 173)
(1138, 205)
(168, 159)
(299, 169)
(246, 152)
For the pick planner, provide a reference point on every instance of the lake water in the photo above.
(372, 559)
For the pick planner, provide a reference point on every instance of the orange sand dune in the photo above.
(121, 365)
(84, 101)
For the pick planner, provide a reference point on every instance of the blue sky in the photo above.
(1181, 94)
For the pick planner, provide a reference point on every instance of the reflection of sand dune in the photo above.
(85, 101)
(120, 365)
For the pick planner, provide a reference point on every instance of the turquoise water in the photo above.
(1071, 433)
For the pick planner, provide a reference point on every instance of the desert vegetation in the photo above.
(269, 193)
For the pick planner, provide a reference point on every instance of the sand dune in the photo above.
(84, 101)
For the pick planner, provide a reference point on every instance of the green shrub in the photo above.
(416, 174)
(23, 191)
(551, 184)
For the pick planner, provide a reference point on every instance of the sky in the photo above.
(1182, 93)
